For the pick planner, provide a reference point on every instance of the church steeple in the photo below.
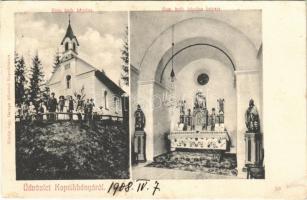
(70, 41)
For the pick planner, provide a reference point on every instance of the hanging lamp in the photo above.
(172, 75)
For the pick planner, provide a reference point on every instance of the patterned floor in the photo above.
(207, 162)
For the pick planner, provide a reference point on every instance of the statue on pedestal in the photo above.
(139, 119)
(182, 105)
(252, 118)
(189, 120)
(139, 136)
(253, 141)
(221, 111)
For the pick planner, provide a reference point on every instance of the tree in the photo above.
(81, 93)
(36, 79)
(56, 62)
(125, 59)
(20, 79)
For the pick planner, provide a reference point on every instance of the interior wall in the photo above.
(161, 121)
(220, 85)
(133, 98)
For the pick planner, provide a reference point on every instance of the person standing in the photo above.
(17, 112)
(24, 110)
(41, 111)
(52, 106)
(61, 103)
(32, 111)
(79, 107)
(100, 113)
(70, 107)
(86, 109)
(90, 109)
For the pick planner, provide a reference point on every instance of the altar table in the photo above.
(212, 140)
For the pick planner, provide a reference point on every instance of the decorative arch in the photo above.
(197, 44)
(215, 33)
(229, 46)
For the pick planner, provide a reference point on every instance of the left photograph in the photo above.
(72, 96)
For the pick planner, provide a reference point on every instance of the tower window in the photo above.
(74, 46)
(68, 79)
(66, 46)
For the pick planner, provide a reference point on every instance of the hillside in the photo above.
(67, 150)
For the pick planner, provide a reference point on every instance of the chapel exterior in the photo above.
(74, 74)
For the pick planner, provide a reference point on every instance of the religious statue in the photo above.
(139, 119)
(200, 100)
(221, 105)
(189, 118)
(252, 118)
(221, 111)
(181, 105)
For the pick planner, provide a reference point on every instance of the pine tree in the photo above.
(20, 79)
(36, 79)
(56, 62)
(125, 59)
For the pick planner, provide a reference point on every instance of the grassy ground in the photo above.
(68, 150)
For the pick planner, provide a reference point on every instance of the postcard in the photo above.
(153, 99)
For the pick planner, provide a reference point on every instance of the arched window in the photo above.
(68, 79)
(66, 46)
(105, 99)
(115, 104)
(74, 47)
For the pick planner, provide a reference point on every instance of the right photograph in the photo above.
(196, 95)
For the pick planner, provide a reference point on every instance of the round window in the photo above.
(203, 79)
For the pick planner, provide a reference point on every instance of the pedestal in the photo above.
(253, 149)
(140, 146)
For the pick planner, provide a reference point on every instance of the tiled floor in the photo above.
(141, 172)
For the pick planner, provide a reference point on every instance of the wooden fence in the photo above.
(65, 116)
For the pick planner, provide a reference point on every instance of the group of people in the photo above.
(51, 108)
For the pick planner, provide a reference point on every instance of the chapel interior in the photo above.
(197, 78)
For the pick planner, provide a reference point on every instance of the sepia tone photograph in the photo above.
(146, 99)
(197, 88)
(72, 96)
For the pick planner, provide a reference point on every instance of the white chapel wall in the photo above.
(220, 85)
(99, 97)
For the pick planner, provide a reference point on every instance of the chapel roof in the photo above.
(70, 34)
(108, 82)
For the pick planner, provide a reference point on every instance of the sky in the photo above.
(100, 36)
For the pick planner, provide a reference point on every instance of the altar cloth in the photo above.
(215, 140)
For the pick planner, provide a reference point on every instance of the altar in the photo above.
(200, 129)
(214, 140)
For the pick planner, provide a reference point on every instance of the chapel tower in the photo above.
(69, 43)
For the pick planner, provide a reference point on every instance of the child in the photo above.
(32, 111)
